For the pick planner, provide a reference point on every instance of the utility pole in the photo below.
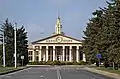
(15, 54)
(3, 49)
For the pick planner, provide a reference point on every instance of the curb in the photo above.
(11, 71)
(105, 73)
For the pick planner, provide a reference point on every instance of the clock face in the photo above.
(59, 39)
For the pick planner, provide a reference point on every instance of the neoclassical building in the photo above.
(58, 46)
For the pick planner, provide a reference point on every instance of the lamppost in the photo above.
(15, 54)
(3, 47)
(3, 50)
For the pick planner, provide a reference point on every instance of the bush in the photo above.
(42, 62)
(63, 63)
(37, 63)
(33, 63)
(69, 63)
(49, 63)
(56, 62)
(75, 63)
(82, 63)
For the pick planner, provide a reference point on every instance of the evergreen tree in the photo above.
(9, 42)
(21, 40)
(22, 44)
(103, 34)
(113, 31)
(92, 36)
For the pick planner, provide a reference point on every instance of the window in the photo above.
(36, 53)
(36, 58)
(37, 47)
(30, 58)
(30, 52)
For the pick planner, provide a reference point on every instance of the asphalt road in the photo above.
(53, 73)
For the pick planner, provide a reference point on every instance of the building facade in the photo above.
(58, 46)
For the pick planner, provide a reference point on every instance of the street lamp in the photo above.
(15, 54)
(3, 50)
(3, 47)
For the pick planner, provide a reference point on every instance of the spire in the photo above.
(58, 27)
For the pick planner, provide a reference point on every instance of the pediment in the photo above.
(58, 39)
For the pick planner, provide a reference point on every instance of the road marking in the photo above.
(5, 76)
(58, 74)
(41, 76)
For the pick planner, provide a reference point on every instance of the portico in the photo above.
(59, 52)
(58, 46)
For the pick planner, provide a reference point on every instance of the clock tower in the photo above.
(59, 46)
(58, 26)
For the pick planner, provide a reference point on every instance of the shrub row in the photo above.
(56, 62)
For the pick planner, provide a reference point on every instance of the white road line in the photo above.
(41, 76)
(58, 74)
(5, 76)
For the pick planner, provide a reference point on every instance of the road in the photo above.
(56, 72)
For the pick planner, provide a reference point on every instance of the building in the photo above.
(58, 46)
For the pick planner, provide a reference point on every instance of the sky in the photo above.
(39, 16)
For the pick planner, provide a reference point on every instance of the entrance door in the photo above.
(59, 53)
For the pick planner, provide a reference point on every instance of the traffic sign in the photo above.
(22, 57)
(98, 56)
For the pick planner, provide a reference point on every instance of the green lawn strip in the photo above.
(109, 69)
(8, 69)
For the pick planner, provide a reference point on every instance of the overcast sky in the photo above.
(39, 16)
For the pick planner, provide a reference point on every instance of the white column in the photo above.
(53, 53)
(40, 54)
(77, 54)
(66, 50)
(70, 53)
(46, 53)
(44, 56)
(63, 47)
(33, 56)
(84, 59)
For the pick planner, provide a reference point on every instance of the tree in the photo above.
(92, 36)
(113, 31)
(103, 34)
(22, 44)
(9, 43)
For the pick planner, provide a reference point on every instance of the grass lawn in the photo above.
(6, 69)
(109, 69)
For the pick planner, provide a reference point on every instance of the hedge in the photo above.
(56, 62)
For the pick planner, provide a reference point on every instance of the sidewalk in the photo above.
(112, 75)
